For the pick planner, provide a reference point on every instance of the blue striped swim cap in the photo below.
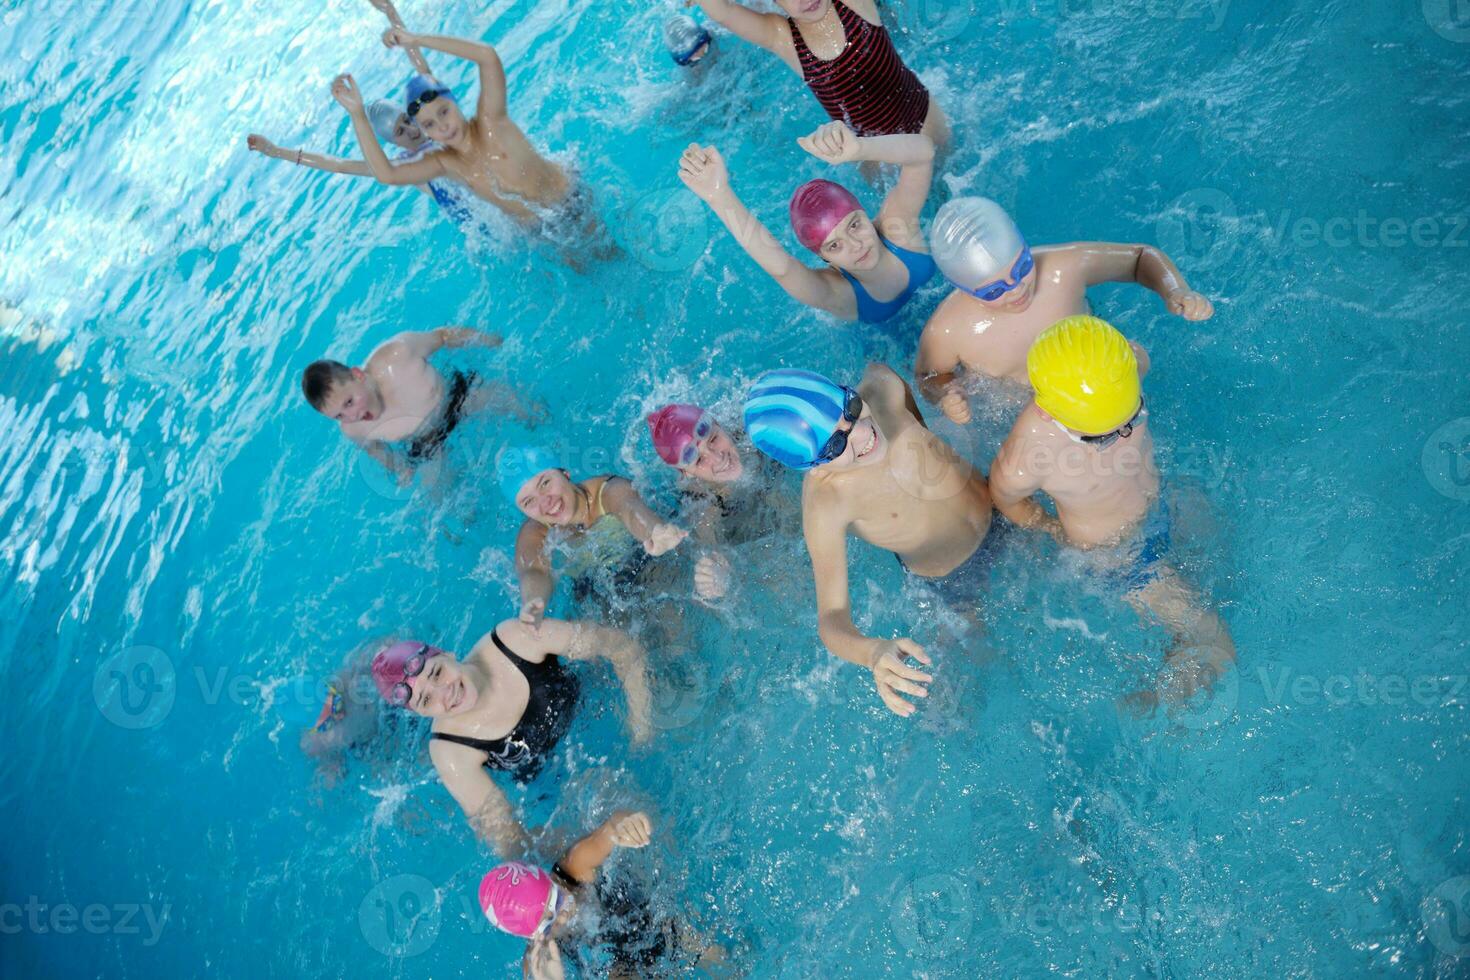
(790, 415)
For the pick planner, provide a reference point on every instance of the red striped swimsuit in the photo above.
(867, 85)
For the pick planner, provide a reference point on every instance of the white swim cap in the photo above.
(974, 242)
(384, 117)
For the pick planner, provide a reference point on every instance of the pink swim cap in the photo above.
(672, 428)
(513, 897)
(391, 668)
(817, 207)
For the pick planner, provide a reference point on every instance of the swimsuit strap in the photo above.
(845, 17)
(921, 269)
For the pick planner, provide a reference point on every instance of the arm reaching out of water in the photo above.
(1150, 268)
(626, 828)
(826, 541)
(1013, 485)
(703, 171)
(420, 171)
(769, 31)
(898, 219)
(483, 803)
(533, 566)
(583, 640)
(415, 56)
(623, 502)
(304, 158)
(424, 343)
(492, 71)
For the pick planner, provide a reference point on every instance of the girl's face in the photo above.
(442, 689)
(807, 11)
(407, 134)
(441, 121)
(718, 460)
(852, 246)
(549, 497)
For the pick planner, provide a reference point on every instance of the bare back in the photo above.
(412, 391)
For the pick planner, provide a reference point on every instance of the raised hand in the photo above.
(664, 537)
(345, 91)
(702, 170)
(543, 960)
(834, 142)
(399, 37)
(893, 677)
(629, 829)
(1190, 304)
(956, 406)
(260, 144)
(532, 610)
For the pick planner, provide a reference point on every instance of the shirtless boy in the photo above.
(1084, 441)
(1006, 294)
(398, 399)
(875, 470)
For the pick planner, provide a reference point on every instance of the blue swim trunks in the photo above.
(1148, 546)
(965, 583)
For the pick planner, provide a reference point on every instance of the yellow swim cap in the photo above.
(1085, 375)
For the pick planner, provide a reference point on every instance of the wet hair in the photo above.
(320, 377)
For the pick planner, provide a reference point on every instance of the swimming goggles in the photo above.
(423, 100)
(1108, 438)
(412, 667)
(690, 453)
(555, 902)
(332, 709)
(1019, 271)
(701, 41)
(837, 445)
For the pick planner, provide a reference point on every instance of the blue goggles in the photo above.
(687, 58)
(995, 290)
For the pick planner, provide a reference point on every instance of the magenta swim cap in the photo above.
(513, 897)
(395, 665)
(672, 428)
(817, 207)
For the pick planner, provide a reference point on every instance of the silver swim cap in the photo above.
(683, 36)
(384, 116)
(974, 242)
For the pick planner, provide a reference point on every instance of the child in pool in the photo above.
(874, 266)
(576, 906)
(687, 41)
(1006, 294)
(843, 53)
(604, 522)
(874, 469)
(329, 719)
(734, 494)
(1084, 441)
(487, 152)
(397, 407)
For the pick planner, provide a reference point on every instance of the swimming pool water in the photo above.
(179, 532)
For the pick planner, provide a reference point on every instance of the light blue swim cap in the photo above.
(517, 464)
(384, 116)
(790, 415)
(299, 701)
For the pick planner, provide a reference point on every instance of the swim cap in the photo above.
(517, 464)
(513, 897)
(672, 428)
(302, 701)
(389, 664)
(421, 85)
(790, 415)
(683, 36)
(817, 207)
(974, 242)
(384, 117)
(1085, 375)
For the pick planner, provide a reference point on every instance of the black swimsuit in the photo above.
(431, 441)
(546, 719)
(637, 943)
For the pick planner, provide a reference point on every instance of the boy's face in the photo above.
(865, 444)
(351, 400)
(718, 460)
(549, 497)
(441, 120)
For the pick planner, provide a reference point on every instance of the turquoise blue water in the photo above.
(179, 532)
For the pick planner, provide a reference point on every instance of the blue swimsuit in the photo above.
(921, 269)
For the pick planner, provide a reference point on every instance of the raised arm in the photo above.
(304, 158)
(898, 219)
(1147, 266)
(492, 71)
(937, 370)
(1014, 483)
(420, 171)
(425, 342)
(703, 171)
(533, 567)
(585, 640)
(484, 804)
(623, 502)
(626, 828)
(415, 56)
(769, 31)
